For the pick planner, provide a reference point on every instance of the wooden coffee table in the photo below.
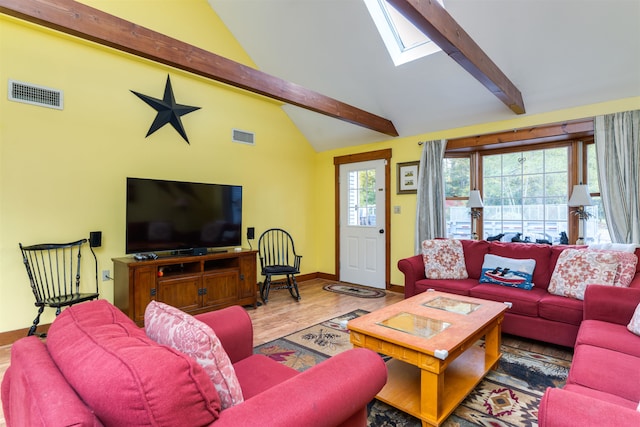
(433, 341)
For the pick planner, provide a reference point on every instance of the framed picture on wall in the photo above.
(408, 177)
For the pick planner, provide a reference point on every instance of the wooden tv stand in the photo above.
(194, 284)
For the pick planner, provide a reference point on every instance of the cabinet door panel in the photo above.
(180, 292)
(144, 280)
(248, 276)
(221, 288)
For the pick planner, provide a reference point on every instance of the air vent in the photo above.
(243, 137)
(35, 95)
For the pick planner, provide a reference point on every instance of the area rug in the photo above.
(354, 291)
(508, 396)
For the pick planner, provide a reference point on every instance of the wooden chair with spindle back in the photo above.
(278, 258)
(54, 275)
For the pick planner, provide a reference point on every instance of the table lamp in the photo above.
(580, 197)
(475, 203)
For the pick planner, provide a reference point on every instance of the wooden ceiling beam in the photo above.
(77, 19)
(432, 19)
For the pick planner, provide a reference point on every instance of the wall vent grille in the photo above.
(35, 95)
(243, 137)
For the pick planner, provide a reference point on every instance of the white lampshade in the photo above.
(580, 196)
(475, 201)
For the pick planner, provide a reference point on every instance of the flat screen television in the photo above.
(180, 217)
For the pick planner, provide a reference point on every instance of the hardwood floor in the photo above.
(282, 316)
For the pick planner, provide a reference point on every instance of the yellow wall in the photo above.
(62, 173)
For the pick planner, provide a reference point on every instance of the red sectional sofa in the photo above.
(534, 313)
(603, 387)
(131, 380)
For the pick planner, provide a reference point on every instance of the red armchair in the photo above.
(333, 393)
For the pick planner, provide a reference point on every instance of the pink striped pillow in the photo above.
(634, 324)
(169, 326)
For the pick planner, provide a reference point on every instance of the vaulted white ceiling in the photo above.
(558, 53)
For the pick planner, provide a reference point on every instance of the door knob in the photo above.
(381, 231)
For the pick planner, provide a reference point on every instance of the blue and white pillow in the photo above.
(516, 273)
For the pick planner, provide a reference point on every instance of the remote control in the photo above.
(142, 257)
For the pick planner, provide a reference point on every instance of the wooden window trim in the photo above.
(544, 134)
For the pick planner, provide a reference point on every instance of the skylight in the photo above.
(403, 40)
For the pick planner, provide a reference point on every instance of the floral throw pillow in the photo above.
(169, 326)
(513, 272)
(578, 268)
(626, 267)
(634, 325)
(443, 259)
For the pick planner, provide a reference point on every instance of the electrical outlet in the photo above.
(106, 275)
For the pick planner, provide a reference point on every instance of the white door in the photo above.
(362, 239)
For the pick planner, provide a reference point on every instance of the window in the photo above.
(526, 192)
(525, 177)
(456, 189)
(596, 230)
(362, 197)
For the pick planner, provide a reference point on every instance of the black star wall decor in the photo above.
(168, 110)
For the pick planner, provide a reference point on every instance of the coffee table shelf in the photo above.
(403, 388)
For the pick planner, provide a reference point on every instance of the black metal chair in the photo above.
(54, 274)
(278, 258)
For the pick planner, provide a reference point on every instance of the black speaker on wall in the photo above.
(95, 239)
(251, 233)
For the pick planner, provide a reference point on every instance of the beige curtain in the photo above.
(617, 139)
(430, 218)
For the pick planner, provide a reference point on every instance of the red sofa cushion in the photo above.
(606, 370)
(258, 373)
(474, 252)
(608, 335)
(561, 309)
(581, 407)
(29, 384)
(599, 395)
(459, 287)
(523, 302)
(539, 252)
(98, 348)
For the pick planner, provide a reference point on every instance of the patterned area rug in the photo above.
(354, 291)
(508, 396)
